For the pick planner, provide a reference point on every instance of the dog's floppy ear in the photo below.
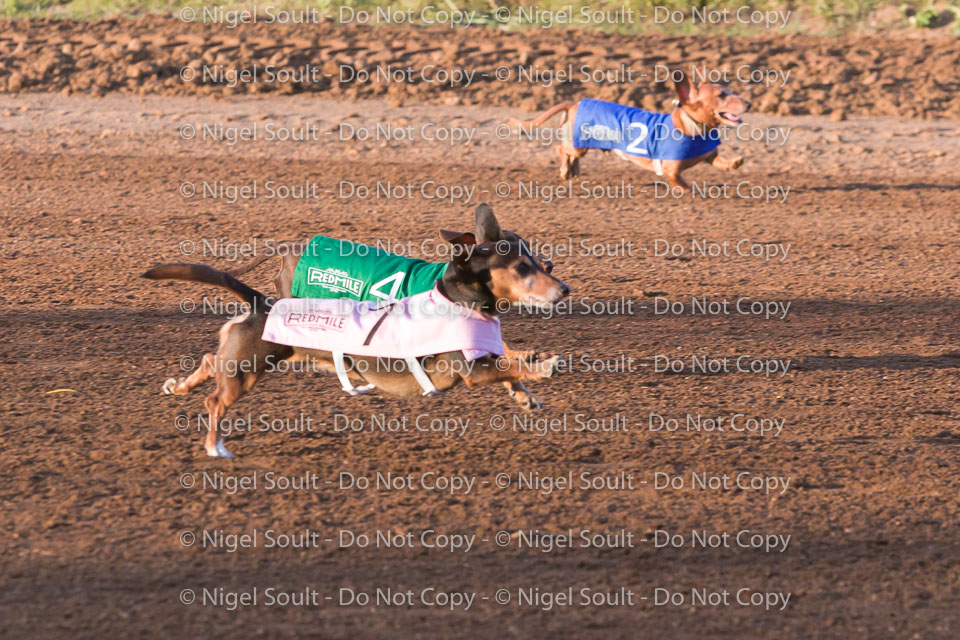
(456, 237)
(683, 85)
(488, 229)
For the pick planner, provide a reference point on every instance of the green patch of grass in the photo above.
(808, 16)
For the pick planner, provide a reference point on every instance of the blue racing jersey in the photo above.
(612, 126)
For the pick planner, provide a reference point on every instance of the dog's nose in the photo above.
(564, 289)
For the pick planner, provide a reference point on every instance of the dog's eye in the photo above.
(522, 269)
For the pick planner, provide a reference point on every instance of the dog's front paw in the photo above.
(524, 398)
(531, 402)
(169, 385)
(550, 366)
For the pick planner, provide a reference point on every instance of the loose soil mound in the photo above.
(899, 75)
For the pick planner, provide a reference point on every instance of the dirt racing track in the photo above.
(757, 415)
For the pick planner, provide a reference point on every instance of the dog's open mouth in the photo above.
(727, 116)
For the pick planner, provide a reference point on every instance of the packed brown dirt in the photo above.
(903, 74)
(92, 461)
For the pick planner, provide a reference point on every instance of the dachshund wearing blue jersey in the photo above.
(666, 143)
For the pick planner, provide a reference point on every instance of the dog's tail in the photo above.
(250, 266)
(526, 125)
(208, 275)
(256, 262)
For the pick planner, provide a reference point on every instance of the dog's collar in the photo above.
(698, 127)
(482, 302)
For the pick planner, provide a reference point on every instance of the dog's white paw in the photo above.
(219, 451)
(168, 386)
(550, 366)
(359, 391)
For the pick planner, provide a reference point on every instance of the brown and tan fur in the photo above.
(479, 278)
(699, 107)
(290, 256)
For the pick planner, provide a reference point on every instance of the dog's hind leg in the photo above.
(569, 161)
(240, 362)
(195, 379)
(229, 389)
(565, 162)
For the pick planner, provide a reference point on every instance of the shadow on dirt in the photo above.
(894, 361)
(873, 186)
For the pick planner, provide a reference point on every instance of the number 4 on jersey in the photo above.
(397, 279)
